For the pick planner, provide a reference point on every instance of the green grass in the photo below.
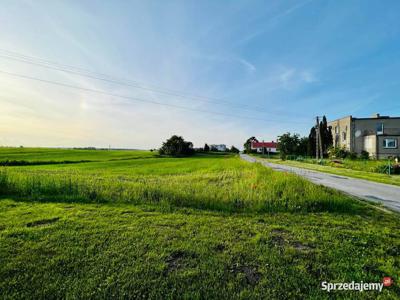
(37, 155)
(346, 170)
(101, 251)
(214, 182)
(209, 226)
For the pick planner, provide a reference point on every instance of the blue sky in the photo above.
(277, 64)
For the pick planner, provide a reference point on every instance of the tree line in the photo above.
(294, 144)
(177, 146)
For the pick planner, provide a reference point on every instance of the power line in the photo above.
(141, 99)
(104, 77)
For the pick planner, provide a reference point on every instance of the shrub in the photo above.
(364, 154)
(338, 152)
(396, 169)
(352, 155)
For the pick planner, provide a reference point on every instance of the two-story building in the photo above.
(379, 135)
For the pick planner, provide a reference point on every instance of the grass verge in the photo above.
(371, 176)
(125, 251)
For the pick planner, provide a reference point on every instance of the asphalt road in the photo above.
(388, 195)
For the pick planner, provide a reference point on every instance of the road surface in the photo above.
(388, 195)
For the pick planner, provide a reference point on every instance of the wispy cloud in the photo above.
(272, 21)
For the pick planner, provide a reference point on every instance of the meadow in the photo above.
(133, 224)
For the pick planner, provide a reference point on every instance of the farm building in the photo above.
(266, 146)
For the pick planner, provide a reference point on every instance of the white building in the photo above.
(221, 147)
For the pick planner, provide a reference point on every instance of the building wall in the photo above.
(368, 127)
(387, 152)
(358, 134)
(266, 150)
(368, 144)
(341, 132)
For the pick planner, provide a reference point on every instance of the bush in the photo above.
(364, 154)
(352, 155)
(338, 152)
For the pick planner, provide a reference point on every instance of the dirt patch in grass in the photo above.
(279, 237)
(177, 260)
(219, 248)
(250, 272)
(42, 222)
(278, 241)
(301, 247)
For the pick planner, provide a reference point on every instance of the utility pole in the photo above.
(317, 139)
(321, 152)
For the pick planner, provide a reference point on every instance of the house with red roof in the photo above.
(268, 147)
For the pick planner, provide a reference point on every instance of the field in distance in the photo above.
(134, 224)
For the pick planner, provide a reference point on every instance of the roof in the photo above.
(264, 145)
(368, 118)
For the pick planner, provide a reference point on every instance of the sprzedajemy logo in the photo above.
(357, 286)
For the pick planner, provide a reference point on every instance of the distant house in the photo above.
(220, 147)
(270, 147)
(379, 135)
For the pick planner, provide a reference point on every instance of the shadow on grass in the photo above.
(19, 163)
(170, 201)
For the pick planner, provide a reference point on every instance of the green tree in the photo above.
(234, 149)
(288, 143)
(176, 146)
(206, 148)
(302, 147)
(326, 138)
(247, 145)
(312, 141)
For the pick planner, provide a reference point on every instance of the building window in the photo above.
(379, 128)
(344, 136)
(336, 129)
(390, 143)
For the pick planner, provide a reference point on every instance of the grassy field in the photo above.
(33, 156)
(210, 226)
(356, 169)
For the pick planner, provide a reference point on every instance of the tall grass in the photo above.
(215, 184)
(372, 165)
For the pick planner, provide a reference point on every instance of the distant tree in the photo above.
(312, 142)
(213, 149)
(206, 148)
(288, 144)
(326, 138)
(234, 149)
(302, 147)
(176, 146)
(247, 145)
